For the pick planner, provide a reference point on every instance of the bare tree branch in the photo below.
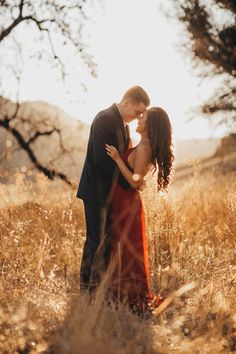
(38, 134)
(54, 24)
(212, 45)
(50, 173)
(64, 18)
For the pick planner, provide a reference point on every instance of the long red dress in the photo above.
(129, 265)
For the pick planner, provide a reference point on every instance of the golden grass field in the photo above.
(191, 232)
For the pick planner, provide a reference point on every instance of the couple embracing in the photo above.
(110, 185)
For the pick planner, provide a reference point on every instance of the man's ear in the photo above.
(126, 102)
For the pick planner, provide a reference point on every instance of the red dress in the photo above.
(129, 265)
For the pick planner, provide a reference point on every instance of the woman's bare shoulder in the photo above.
(144, 148)
(144, 151)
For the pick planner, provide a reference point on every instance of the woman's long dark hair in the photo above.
(160, 135)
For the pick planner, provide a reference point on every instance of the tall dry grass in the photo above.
(191, 233)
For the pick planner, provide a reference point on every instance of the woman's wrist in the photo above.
(118, 160)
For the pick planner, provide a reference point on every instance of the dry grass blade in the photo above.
(175, 294)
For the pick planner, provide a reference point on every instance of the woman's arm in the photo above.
(141, 167)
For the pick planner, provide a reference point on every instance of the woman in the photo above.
(129, 263)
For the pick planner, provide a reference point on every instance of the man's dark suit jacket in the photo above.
(99, 169)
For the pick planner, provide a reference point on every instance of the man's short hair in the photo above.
(137, 94)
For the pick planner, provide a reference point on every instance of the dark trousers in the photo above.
(96, 253)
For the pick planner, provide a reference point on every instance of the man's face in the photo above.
(133, 110)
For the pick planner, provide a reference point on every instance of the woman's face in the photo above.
(142, 123)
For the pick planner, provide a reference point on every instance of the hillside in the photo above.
(189, 150)
(65, 152)
(223, 159)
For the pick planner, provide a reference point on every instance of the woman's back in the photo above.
(139, 159)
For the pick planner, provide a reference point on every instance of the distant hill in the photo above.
(223, 159)
(227, 145)
(187, 151)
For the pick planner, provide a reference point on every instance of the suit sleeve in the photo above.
(103, 132)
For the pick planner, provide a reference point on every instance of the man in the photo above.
(99, 172)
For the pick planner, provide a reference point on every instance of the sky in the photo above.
(133, 43)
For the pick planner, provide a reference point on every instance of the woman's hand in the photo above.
(113, 152)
